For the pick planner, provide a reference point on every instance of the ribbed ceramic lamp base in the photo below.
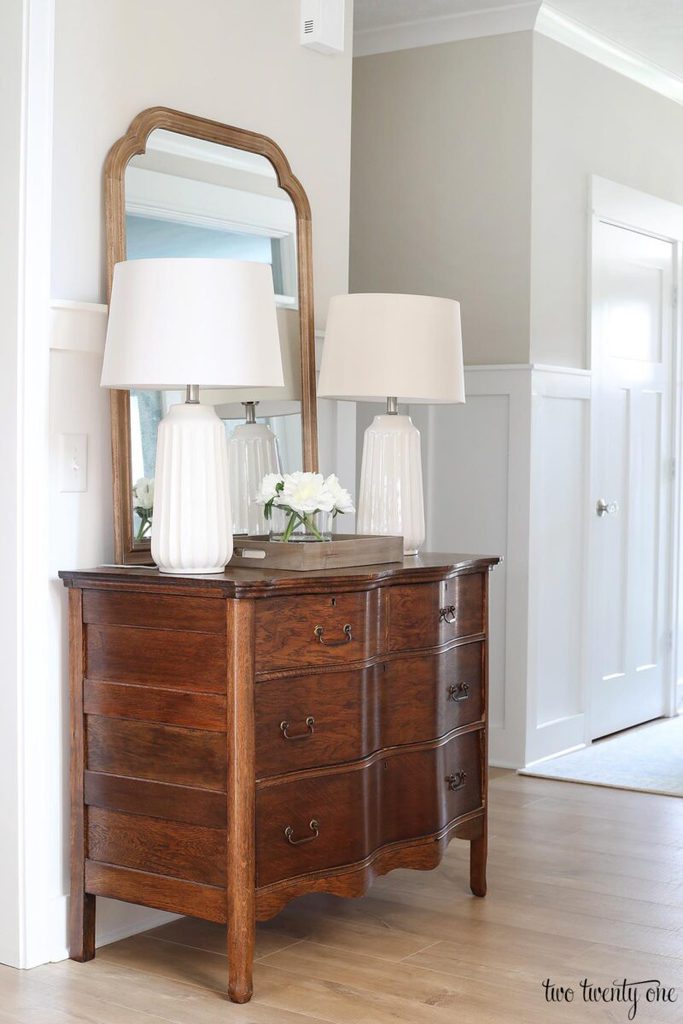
(390, 500)
(192, 524)
(252, 452)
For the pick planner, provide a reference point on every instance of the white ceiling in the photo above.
(371, 14)
(652, 29)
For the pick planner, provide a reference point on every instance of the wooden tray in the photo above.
(344, 550)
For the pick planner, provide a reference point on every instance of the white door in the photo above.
(632, 329)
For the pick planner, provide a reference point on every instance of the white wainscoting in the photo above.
(558, 561)
(477, 477)
(506, 474)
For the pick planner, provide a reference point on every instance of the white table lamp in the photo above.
(402, 348)
(213, 323)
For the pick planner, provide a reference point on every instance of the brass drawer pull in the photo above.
(456, 781)
(314, 827)
(459, 691)
(319, 631)
(310, 729)
(447, 614)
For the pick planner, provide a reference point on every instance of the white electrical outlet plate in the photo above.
(73, 462)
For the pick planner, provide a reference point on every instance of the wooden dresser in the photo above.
(239, 740)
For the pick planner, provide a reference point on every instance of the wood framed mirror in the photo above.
(181, 185)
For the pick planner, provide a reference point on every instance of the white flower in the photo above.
(143, 493)
(341, 497)
(305, 493)
(268, 485)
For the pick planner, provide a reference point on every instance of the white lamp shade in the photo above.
(174, 322)
(288, 396)
(404, 346)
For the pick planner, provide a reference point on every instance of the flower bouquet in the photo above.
(143, 505)
(307, 503)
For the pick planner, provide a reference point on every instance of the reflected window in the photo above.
(155, 237)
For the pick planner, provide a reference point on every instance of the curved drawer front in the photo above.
(317, 630)
(315, 720)
(430, 695)
(429, 614)
(319, 823)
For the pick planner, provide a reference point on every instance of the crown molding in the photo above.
(600, 48)
(446, 29)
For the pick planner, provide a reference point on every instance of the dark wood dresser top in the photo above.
(259, 582)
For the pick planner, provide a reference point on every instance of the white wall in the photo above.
(440, 184)
(240, 63)
(587, 119)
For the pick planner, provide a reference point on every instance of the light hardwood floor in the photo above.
(583, 882)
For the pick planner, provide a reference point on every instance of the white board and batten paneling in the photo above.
(558, 563)
(476, 478)
(506, 474)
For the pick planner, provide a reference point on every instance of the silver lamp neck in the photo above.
(250, 411)
(192, 394)
(392, 406)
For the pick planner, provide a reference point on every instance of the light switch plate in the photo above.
(73, 462)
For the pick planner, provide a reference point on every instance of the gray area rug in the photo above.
(648, 759)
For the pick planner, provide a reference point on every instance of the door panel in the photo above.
(632, 336)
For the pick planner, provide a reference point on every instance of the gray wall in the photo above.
(440, 183)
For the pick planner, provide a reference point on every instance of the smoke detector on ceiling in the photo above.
(322, 25)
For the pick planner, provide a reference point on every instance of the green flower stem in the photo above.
(291, 526)
(145, 524)
(297, 518)
(308, 522)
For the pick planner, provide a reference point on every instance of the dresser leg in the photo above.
(81, 903)
(478, 849)
(81, 926)
(241, 834)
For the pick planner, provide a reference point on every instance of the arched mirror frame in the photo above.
(134, 142)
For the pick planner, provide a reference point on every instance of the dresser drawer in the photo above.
(427, 696)
(317, 630)
(315, 720)
(311, 721)
(430, 614)
(337, 818)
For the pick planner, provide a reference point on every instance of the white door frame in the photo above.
(625, 207)
(27, 855)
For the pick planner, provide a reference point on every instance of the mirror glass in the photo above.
(186, 197)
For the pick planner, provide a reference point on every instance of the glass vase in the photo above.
(306, 528)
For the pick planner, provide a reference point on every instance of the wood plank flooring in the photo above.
(583, 882)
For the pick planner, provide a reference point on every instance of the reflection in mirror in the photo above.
(187, 197)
